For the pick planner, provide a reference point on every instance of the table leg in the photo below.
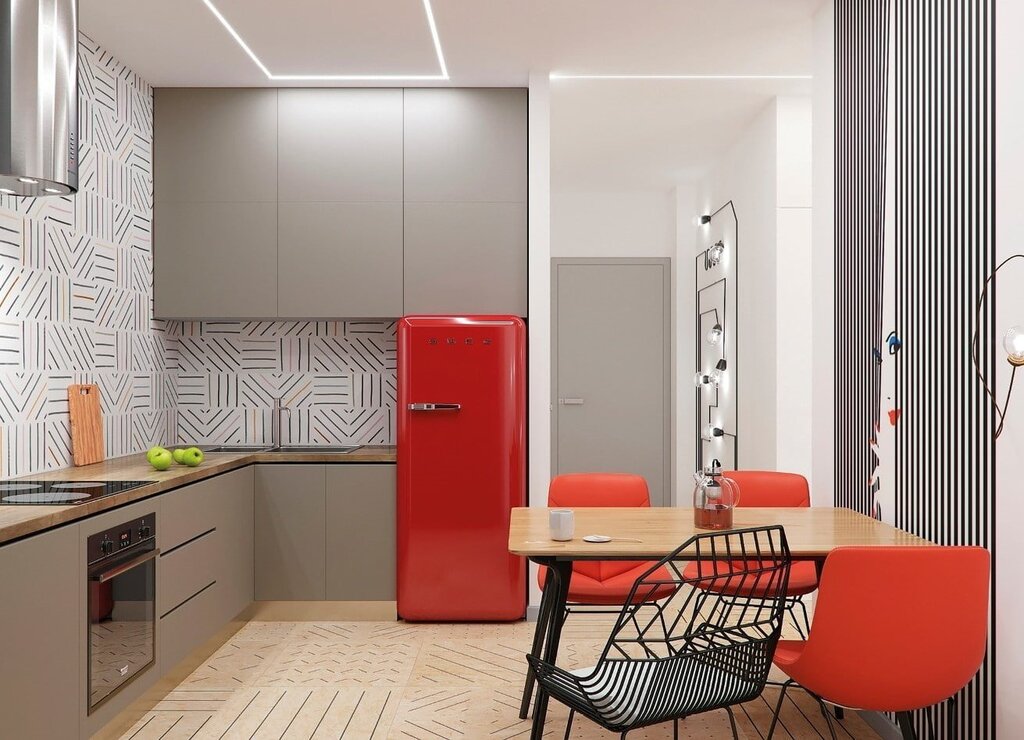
(562, 571)
(541, 631)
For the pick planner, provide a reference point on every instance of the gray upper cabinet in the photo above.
(214, 145)
(340, 195)
(465, 201)
(342, 146)
(215, 260)
(215, 203)
(465, 258)
(465, 145)
(340, 260)
(339, 203)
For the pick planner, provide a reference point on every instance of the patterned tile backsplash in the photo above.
(75, 287)
(336, 377)
(76, 306)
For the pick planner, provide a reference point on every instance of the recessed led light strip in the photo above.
(570, 76)
(271, 76)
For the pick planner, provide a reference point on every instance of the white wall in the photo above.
(1009, 312)
(539, 323)
(768, 175)
(746, 174)
(613, 224)
(822, 367)
(793, 281)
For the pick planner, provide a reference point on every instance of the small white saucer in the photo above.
(597, 538)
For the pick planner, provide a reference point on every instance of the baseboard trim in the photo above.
(881, 724)
(324, 611)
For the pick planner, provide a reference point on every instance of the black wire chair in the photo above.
(701, 649)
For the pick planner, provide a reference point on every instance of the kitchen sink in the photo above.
(316, 448)
(238, 449)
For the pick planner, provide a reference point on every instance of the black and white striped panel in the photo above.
(942, 232)
(944, 153)
(861, 75)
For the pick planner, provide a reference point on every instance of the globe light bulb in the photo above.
(716, 252)
(715, 335)
(1013, 343)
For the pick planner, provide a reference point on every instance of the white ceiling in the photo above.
(649, 134)
(485, 42)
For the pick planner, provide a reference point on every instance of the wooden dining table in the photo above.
(653, 533)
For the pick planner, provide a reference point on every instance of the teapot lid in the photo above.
(714, 468)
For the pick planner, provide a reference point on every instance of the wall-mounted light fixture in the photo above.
(716, 252)
(711, 431)
(702, 379)
(719, 371)
(1013, 343)
(715, 335)
(702, 220)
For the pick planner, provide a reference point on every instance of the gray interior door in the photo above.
(611, 350)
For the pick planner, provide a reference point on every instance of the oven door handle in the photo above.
(124, 567)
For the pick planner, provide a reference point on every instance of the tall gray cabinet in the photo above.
(339, 203)
(465, 201)
(339, 180)
(215, 203)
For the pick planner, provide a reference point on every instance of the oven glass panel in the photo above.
(121, 629)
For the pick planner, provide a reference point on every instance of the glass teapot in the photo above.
(714, 498)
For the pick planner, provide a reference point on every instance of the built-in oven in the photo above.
(122, 606)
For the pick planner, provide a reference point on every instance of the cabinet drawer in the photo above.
(188, 627)
(186, 570)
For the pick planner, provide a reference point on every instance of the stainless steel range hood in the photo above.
(38, 97)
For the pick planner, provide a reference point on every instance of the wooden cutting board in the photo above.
(86, 424)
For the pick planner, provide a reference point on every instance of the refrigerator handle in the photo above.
(435, 406)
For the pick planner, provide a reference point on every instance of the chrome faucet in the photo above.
(275, 422)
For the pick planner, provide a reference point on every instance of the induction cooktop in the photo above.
(59, 492)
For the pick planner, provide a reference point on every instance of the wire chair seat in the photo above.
(698, 650)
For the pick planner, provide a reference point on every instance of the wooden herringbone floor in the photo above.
(376, 680)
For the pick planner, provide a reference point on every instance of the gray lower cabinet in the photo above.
(205, 574)
(361, 537)
(290, 532)
(41, 624)
(465, 258)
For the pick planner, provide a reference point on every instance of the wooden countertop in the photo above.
(20, 521)
(656, 532)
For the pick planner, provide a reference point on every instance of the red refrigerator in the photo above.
(461, 466)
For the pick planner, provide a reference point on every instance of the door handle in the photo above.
(435, 406)
(124, 567)
(570, 401)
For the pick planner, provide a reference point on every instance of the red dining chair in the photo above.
(766, 488)
(599, 583)
(897, 643)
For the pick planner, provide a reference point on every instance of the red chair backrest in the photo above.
(898, 628)
(580, 490)
(769, 488)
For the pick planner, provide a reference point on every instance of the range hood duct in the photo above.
(38, 97)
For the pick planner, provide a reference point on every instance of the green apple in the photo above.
(193, 457)
(153, 452)
(179, 455)
(161, 459)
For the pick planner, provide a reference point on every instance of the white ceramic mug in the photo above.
(562, 523)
